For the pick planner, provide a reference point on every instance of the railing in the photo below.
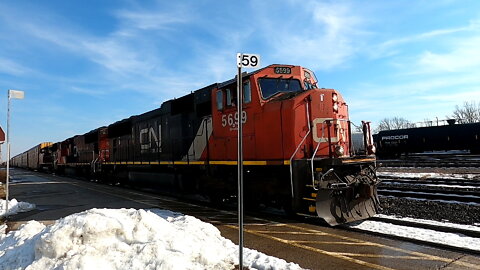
(328, 122)
(298, 147)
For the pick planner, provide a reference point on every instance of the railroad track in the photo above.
(454, 182)
(431, 194)
(431, 163)
(446, 189)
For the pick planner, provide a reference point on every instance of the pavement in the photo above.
(310, 245)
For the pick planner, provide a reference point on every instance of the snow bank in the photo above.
(126, 239)
(451, 239)
(475, 227)
(15, 207)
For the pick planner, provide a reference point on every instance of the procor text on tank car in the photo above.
(296, 137)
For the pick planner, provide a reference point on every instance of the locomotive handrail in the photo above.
(298, 147)
(311, 163)
(93, 165)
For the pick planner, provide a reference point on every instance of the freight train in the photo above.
(393, 143)
(298, 152)
(39, 157)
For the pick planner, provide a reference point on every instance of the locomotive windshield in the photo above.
(272, 86)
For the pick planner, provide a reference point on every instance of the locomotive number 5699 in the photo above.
(231, 119)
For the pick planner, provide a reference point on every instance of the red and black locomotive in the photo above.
(296, 137)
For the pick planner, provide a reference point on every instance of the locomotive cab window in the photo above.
(310, 80)
(219, 100)
(229, 97)
(271, 86)
(247, 93)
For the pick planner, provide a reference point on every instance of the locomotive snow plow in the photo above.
(345, 198)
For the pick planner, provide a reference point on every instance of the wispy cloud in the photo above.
(464, 57)
(114, 59)
(13, 68)
(429, 73)
(394, 46)
(88, 91)
(329, 35)
(153, 20)
(116, 56)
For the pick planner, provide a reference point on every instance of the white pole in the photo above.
(7, 139)
(240, 167)
(243, 60)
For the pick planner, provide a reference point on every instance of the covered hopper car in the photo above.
(298, 151)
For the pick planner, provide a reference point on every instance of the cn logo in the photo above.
(151, 141)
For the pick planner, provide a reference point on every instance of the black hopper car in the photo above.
(393, 143)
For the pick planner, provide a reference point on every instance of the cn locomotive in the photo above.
(393, 143)
(297, 147)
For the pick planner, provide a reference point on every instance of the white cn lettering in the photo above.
(149, 139)
(143, 145)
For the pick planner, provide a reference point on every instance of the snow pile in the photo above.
(475, 227)
(15, 207)
(428, 235)
(126, 239)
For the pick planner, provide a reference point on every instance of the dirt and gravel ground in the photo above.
(2, 183)
(435, 210)
(452, 212)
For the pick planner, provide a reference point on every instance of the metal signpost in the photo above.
(247, 61)
(12, 94)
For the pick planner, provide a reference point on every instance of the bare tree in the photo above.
(358, 129)
(394, 123)
(427, 122)
(469, 113)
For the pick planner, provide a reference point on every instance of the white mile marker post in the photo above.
(247, 61)
(12, 94)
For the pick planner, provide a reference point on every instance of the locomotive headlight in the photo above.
(335, 107)
(339, 150)
(334, 97)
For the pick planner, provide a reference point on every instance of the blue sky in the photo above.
(84, 64)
